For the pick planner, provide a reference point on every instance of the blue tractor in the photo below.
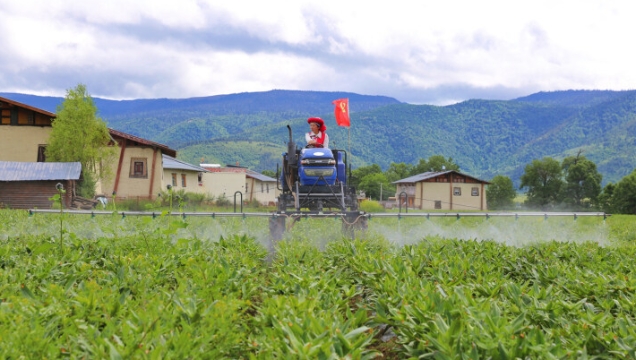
(313, 182)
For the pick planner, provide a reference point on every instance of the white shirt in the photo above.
(311, 136)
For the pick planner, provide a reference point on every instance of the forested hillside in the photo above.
(485, 138)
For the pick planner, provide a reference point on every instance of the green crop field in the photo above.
(82, 287)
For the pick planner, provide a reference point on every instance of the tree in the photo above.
(374, 184)
(358, 174)
(78, 135)
(543, 180)
(434, 163)
(398, 171)
(582, 181)
(270, 173)
(500, 193)
(624, 197)
(606, 198)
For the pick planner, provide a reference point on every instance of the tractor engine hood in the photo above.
(317, 166)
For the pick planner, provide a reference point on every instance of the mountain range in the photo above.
(484, 137)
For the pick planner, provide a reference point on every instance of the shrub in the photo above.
(371, 206)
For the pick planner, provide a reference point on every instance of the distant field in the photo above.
(130, 287)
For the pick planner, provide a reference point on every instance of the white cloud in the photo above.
(415, 51)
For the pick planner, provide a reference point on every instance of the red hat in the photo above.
(318, 121)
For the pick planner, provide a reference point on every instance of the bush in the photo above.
(222, 200)
(371, 206)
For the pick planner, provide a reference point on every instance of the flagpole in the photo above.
(349, 128)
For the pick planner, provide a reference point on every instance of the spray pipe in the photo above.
(487, 216)
(516, 216)
(545, 217)
(457, 216)
(574, 216)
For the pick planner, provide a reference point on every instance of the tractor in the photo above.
(313, 183)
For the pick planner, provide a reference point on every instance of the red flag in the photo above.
(342, 112)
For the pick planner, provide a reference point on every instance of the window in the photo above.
(438, 204)
(457, 191)
(183, 180)
(31, 118)
(41, 153)
(262, 188)
(138, 168)
(200, 179)
(174, 179)
(474, 191)
(267, 187)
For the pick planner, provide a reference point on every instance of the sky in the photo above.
(419, 52)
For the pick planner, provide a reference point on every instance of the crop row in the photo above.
(124, 288)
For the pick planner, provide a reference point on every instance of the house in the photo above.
(442, 190)
(24, 131)
(138, 172)
(27, 185)
(182, 176)
(260, 188)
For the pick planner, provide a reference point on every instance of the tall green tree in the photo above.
(358, 174)
(582, 181)
(624, 197)
(542, 178)
(78, 135)
(434, 163)
(500, 193)
(398, 171)
(606, 198)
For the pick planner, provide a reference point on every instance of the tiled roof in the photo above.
(164, 148)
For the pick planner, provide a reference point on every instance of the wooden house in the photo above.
(442, 190)
(28, 185)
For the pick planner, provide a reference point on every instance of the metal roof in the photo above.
(259, 176)
(34, 171)
(171, 163)
(433, 174)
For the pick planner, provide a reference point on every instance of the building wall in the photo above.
(426, 193)
(191, 181)
(130, 186)
(228, 183)
(20, 143)
(261, 191)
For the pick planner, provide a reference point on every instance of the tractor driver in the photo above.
(317, 136)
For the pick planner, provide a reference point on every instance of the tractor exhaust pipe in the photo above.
(291, 149)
